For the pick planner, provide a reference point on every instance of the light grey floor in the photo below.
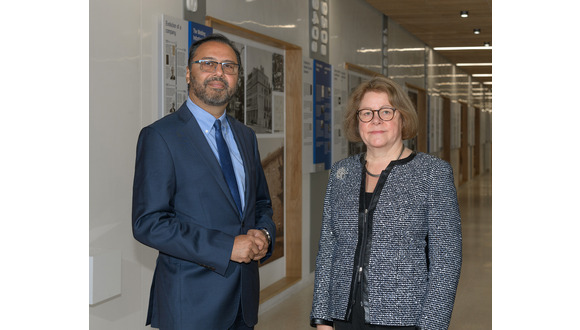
(472, 309)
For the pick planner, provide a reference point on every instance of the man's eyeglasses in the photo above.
(385, 114)
(211, 66)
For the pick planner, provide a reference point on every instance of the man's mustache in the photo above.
(220, 79)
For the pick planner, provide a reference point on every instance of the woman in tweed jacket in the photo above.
(390, 245)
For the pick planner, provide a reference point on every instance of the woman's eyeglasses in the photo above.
(384, 113)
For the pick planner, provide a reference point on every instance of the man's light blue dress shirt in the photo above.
(206, 121)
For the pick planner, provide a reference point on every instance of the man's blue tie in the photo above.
(226, 164)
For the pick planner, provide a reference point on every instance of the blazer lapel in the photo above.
(246, 152)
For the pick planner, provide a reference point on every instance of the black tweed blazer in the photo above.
(415, 259)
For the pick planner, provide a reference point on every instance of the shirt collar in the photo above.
(204, 118)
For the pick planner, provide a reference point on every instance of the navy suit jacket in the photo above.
(182, 206)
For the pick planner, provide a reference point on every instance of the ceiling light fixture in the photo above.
(474, 64)
(463, 48)
(487, 44)
(476, 31)
(464, 13)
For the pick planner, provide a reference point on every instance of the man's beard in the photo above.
(211, 96)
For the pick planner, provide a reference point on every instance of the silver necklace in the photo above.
(377, 175)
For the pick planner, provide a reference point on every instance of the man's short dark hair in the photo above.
(214, 37)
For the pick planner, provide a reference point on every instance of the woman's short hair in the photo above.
(398, 99)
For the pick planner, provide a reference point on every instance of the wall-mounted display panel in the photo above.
(322, 115)
(308, 115)
(174, 54)
(339, 103)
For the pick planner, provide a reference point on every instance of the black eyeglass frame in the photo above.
(378, 114)
(236, 67)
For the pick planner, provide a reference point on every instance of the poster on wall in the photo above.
(339, 100)
(174, 55)
(322, 115)
(307, 115)
(260, 96)
(196, 32)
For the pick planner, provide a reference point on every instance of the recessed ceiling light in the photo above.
(476, 31)
(487, 44)
(474, 64)
(464, 13)
(463, 48)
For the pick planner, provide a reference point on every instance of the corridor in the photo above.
(472, 310)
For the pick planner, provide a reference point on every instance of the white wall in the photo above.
(123, 98)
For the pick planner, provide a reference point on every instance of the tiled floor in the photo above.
(472, 309)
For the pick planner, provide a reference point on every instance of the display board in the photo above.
(322, 115)
(174, 47)
(177, 36)
(339, 102)
(308, 115)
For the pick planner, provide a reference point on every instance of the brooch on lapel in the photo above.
(340, 173)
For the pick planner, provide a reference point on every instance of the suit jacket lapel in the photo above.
(246, 152)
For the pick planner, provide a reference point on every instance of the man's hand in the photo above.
(247, 248)
(263, 240)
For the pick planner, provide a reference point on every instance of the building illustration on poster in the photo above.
(322, 115)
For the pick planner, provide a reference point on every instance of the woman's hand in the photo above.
(323, 327)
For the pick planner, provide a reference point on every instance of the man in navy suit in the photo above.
(211, 228)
